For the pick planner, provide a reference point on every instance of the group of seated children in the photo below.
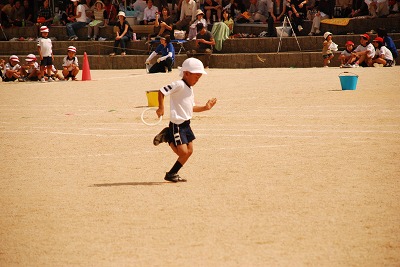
(32, 71)
(367, 54)
(381, 52)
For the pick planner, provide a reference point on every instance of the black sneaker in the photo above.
(162, 137)
(174, 177)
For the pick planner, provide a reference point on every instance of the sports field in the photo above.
(287, 170)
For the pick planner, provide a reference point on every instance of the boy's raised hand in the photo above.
(210, 103)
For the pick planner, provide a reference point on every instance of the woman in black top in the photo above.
(123, 32)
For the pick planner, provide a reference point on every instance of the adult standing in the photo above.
(76, 22)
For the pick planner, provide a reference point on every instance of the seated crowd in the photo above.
(193, 19)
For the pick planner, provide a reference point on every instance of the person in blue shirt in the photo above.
(166, 61)
(388, 42)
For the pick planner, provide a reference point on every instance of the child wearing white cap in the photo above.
(179, 134)
(70, 64)
(31, 69)
(327, 53)
(12, 69)
(45, 48)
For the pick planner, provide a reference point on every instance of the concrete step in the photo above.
(355, 26)
(230, 46)
(228, 61)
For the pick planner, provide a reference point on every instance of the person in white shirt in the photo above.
(76, 22)
(31, 69)
(364, 53)
(383, 56)
(188, 14)
(70, 64)
(150, 12)
(45, 48)
(12, 70)
(378, 8)
(179, 134)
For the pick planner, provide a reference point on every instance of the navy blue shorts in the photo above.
(47, 61)
(180, 134)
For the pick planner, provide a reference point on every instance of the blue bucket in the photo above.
(348, 80)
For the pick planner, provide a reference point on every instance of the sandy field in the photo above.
(287, 170)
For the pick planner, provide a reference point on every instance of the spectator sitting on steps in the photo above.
(204, 45)
(76, 22)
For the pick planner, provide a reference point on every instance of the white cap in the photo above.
(72, 48)
(199, 11)
(44, 29)
(121, 13)
(14, 58)
(327, 34)
(30, 57)
(192, 65)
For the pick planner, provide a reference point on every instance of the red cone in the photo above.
(85, 68)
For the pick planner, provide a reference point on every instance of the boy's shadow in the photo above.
(128, 184)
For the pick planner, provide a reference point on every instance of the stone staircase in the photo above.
(236, 53)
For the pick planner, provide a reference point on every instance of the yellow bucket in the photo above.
(152, 98)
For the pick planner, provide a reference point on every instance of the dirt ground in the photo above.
(288, 170)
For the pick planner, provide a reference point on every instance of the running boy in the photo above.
(179, 135)
(70, 64)
(46, 53)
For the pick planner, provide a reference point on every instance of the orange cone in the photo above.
(85, 68)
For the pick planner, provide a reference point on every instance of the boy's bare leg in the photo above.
(183, 151)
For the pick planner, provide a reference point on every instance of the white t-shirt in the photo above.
(387, 54)
(370, 47)
(67, 62)
(32, 67)
(346, 53)
(82, 10)
(181, 101)
(9, 67)
(45, 46)
(150, 13)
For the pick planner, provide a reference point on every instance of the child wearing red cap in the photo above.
(364, 53)
(345, 56)
(383, 56)
(70, 64)
(179, 134)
